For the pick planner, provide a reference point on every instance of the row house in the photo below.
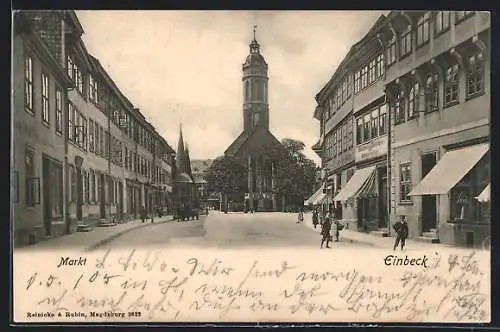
(420, 109)
(90, 143)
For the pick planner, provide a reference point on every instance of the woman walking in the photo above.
(325, 232)
(315, 218)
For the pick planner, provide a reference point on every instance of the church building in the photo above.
(250, 145)
(184, 188)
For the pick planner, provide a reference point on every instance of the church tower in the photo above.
(255, 88)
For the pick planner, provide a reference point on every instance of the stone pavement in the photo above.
(86, 241)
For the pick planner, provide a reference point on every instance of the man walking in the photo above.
(401, 229)
(325, 231)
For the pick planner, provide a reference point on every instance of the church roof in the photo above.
(237, 143)
(255, 59)
(260, 132)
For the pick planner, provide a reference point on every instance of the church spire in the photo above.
(254, 45)
(188, 161)
(180, 157)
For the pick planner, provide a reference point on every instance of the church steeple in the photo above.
(180, 161)
(255, 88)
(254, 45)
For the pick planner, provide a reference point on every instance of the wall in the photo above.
(28, 130)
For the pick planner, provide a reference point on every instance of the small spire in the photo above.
(254, 29)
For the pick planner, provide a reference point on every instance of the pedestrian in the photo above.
(401, 229)
(142, 212)
(315, 218)
(338, 228)
(325, 232)
(300, 216)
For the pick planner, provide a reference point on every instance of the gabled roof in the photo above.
(245, 137)
(183, 178)
(237, 143)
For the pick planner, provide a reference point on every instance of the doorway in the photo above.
(429, 215)
(382, 197)
(102, 197)
(47, 199)
(79, 194)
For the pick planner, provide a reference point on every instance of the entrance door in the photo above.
(47, 199)
(382, 197)
(429, 217)
(102, 197)
(79, 194)
(120, 200)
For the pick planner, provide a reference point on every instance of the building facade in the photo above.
(420, 97)
(439, 90)
(76, 131)
(250, 146)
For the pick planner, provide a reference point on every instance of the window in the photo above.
(126, 158)
(357, 81)
(344, 137)
(374, 123)
(344, 90)
(56, 189)
(45, 98)
(71, 122)
(451, 84)
(331, 107)
(93, 95)
(380, 65)
(391, 51)
(359, 131)
(106, 145)
(399, 108)
(91, 135)
(423, 30)
(366, 127)
(382, 120)
(463, 205)
(70, 67)
(349, 86)
(92, 187)
(28, 84)
(432, 92)
(372, 74)
(406, 43)
(72, 183)
(475, 74)
(404, 182)
(349, 134)
(334, 144)
(59, 105)
(101, 141)
(462, 15)
(87, 187)
(441, 22)
(79, 80)
(97, 143)
(339, 141)
(413, 102)
(364, 77)
(30, 177)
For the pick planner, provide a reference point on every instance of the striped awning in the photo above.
(361, 183)
(484, 196)
(315, 197)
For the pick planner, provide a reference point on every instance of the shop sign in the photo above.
(373, 149)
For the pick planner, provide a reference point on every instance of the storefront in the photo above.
(458, 180)
(366, 191)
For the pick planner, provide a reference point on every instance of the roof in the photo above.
(200, 165)
(245, 137)
(352, 52)
(237, 143)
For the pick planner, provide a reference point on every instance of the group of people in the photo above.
(400, 227)
(326, 226)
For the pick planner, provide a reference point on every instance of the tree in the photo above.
(226, 176)
(296, 174)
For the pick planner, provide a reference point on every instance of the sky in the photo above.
(186, 67)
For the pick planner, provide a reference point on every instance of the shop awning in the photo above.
(319, 199)
(484, 196)
(314, 196)
(450, 169)
(357, 184)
